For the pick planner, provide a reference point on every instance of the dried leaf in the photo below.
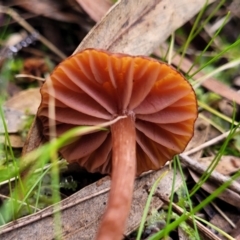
(219, 221)
(228, 195)
(234, 8)
(59, 10)
(201, 130)
(16, 141)
(14, 120)
(77, 222)
(95, 9)
(235, 233)
(226, 107)
(227, 165)
(26, 101)
(182, 235)
(139, 26)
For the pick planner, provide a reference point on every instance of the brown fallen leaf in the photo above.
(16, 141)
(12, 89)
(26, 101)
(234, 8)
(182, 235)
(228, 195)
(200, 136)
(219, 218)
(235, 233)
(78, 223)
(140, 26)
(222, 223)
(201, 130)
(215, 176)
(226, 166)
(95, 9)
(59, 10)
(14, 120)
(226, 107)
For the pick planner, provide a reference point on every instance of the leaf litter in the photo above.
(130, 33)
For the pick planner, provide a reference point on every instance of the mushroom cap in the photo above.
(95, 86)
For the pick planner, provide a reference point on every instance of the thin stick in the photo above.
(29, 76)
(30, 29)
(224, 215)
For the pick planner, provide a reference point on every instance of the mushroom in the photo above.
(95, 86)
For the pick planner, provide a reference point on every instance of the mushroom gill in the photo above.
(95, 86)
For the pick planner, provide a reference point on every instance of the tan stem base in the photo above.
(123, 175)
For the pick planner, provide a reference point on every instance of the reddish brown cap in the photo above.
(95, 86)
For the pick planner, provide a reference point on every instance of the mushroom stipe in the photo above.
(95, 86)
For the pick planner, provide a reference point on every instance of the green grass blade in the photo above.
(146, 209)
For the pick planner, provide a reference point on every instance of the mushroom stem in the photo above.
(123, 175)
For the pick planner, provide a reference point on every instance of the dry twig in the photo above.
(30, 29)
